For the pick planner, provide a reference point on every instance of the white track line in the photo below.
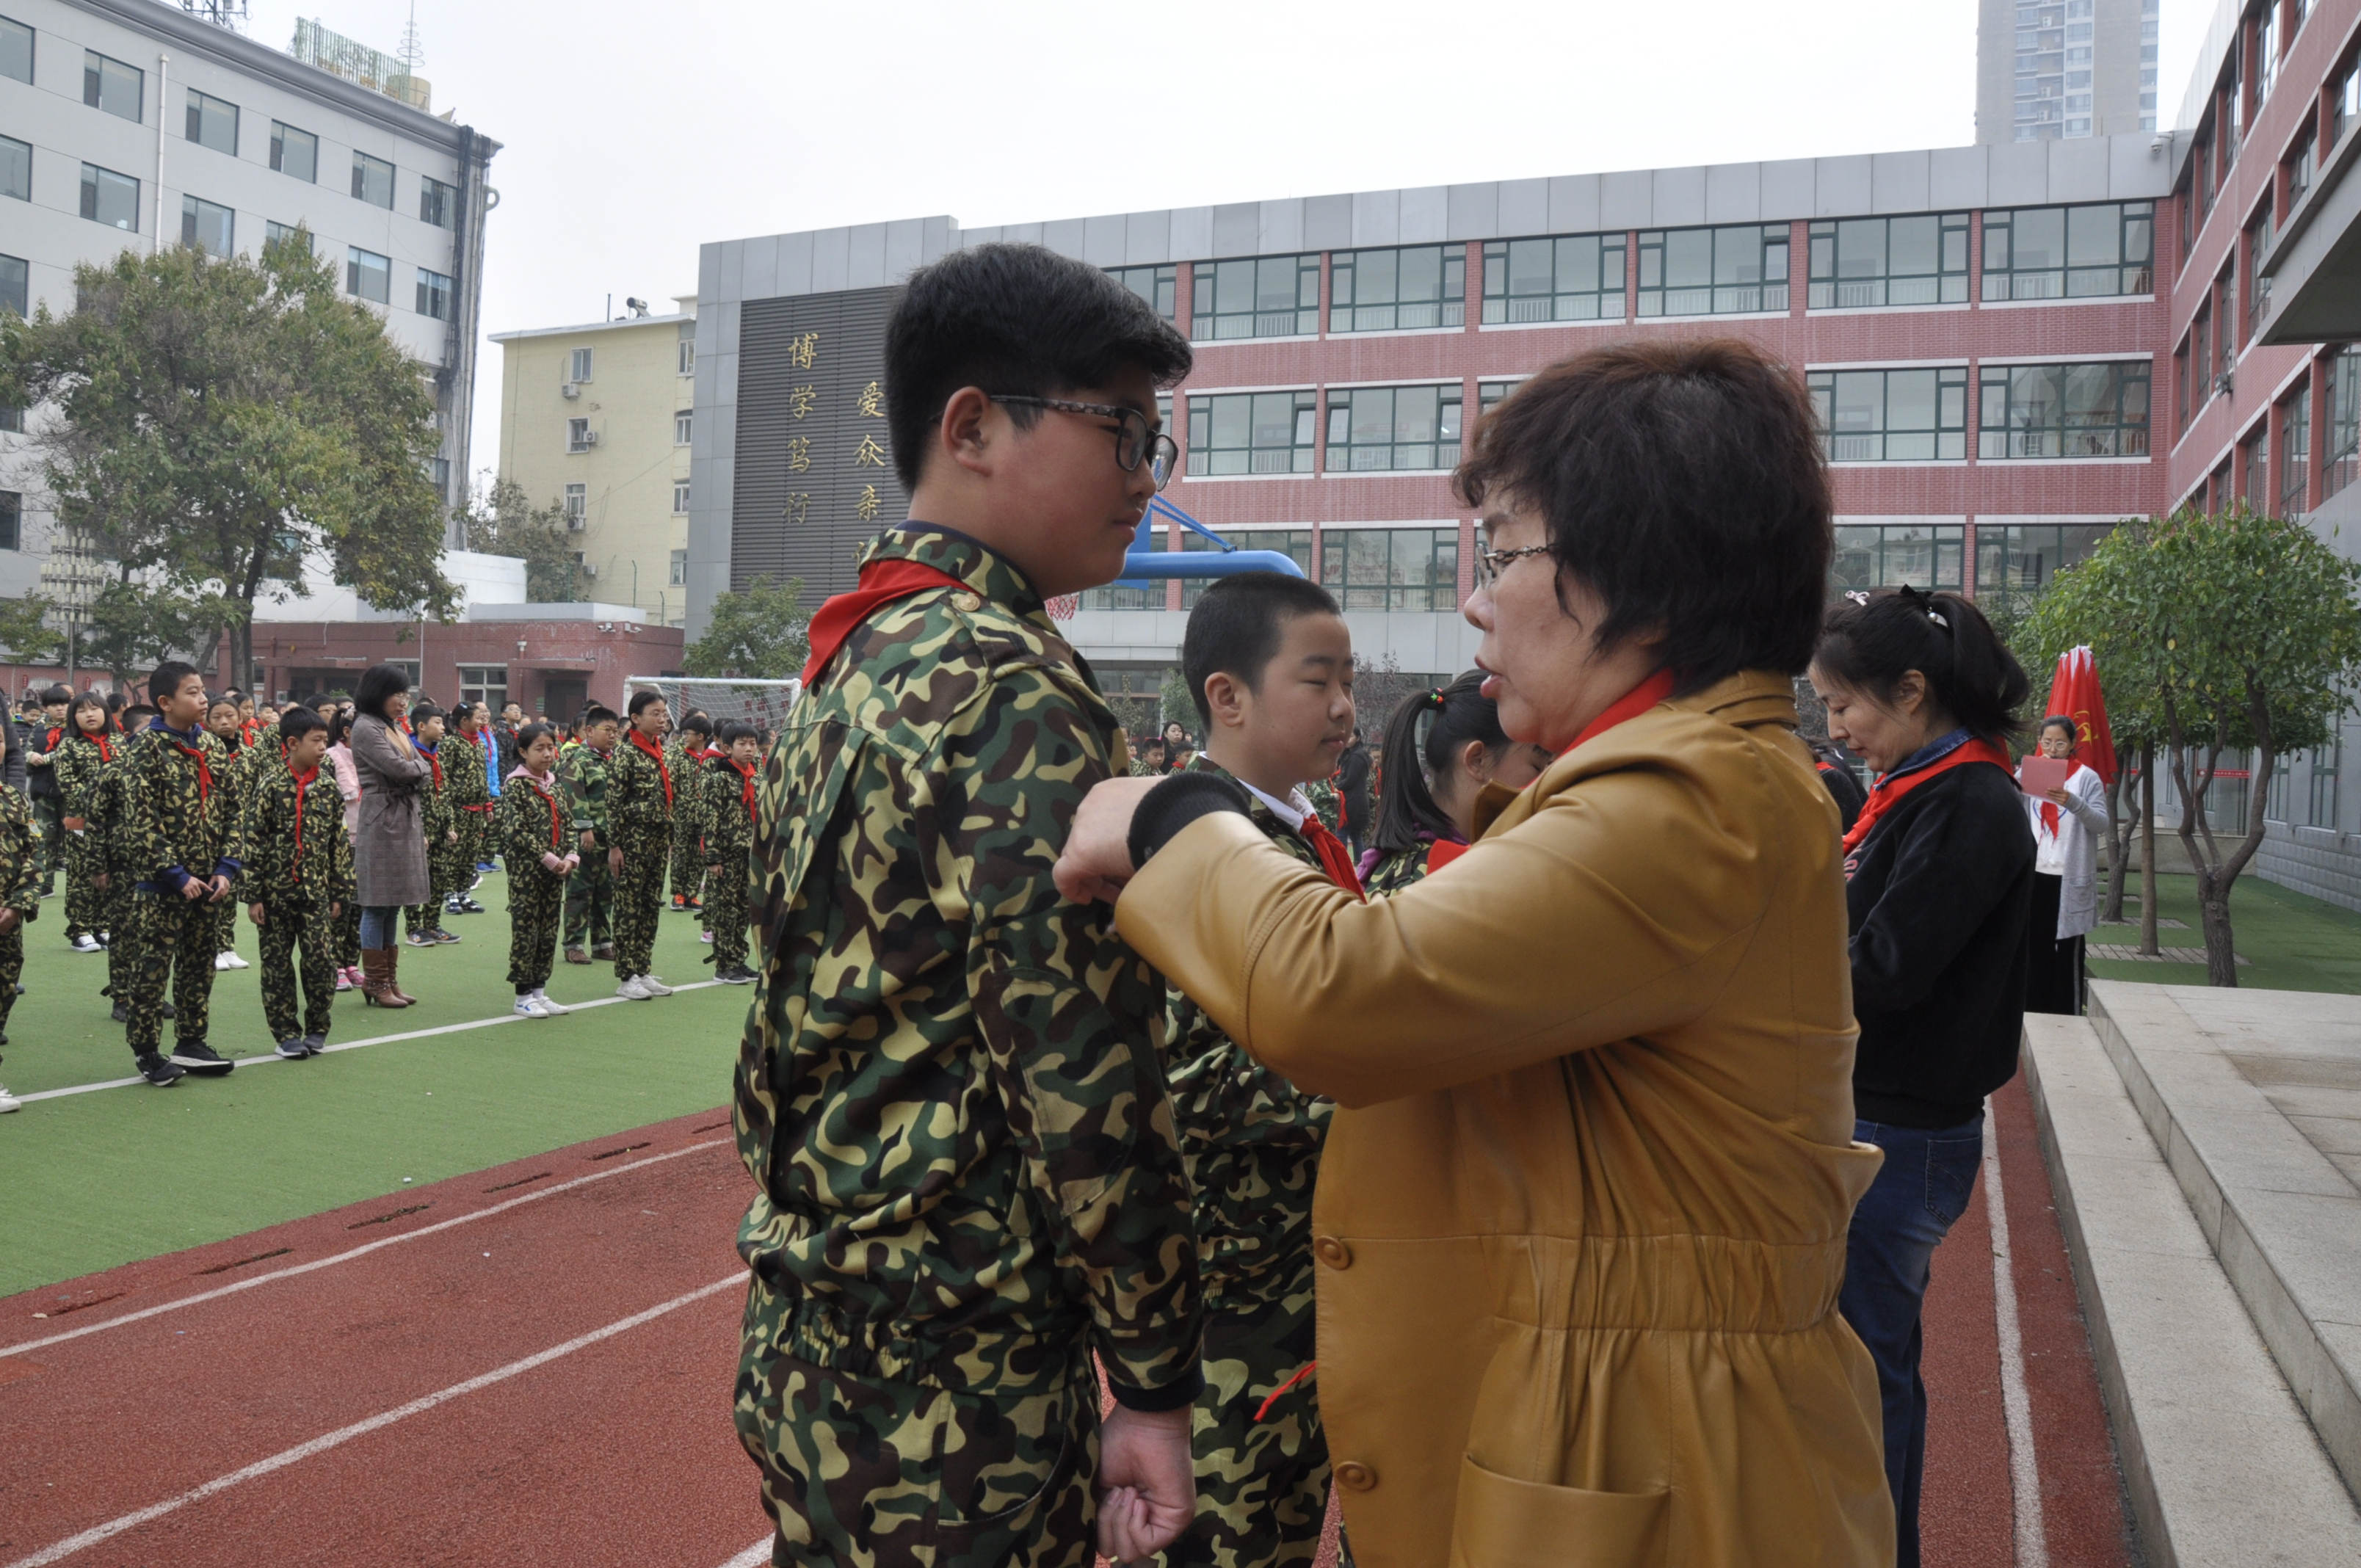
(342, 1435)
(361, 1250)
(2017, 1403)
(266, 1058)
(756, 1556)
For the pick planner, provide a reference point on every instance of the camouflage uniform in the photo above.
(1397, 868)
(82, 763)
(530, 823)
(950, 1098)
(1325, 803)
(231, 781)
(116, 858)
(1252, 1143)
(295, 861)
(437, 820)
(591, 891)
(688, 857)
(471, 805)
(48, 810)
(639, 793)
(728, 830)
(176, 827)
(20, 890)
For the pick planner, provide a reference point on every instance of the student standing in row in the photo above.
(639, 827)
(727, 815)
(688, 752)
(295, 877)
(1449, 748)
(230, 726)
(438, 823)
(542, 858)
(348, 790)
(176, 825)
(82, 759)
(471, 793)
(118, 868)
(47, 727)
(20, 901)
(582, 778)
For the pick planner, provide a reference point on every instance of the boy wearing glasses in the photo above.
(948, 1091)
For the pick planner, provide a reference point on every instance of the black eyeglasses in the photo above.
(1133, 439)
(1490, 564)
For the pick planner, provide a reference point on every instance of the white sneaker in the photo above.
(221, 961)
(529, 1007)
(633, 990)
(7, 1100)
(237, 963)
(706, 938)
(553, 1008)
(86, 943)
(653, 986)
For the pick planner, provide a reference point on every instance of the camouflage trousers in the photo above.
(1262, 1487)
(11, 967)
(114, 919)
(168, 939)
(449, 868)
(864, 1471)
(48, 838)
(347, 930)
(687, 858)
(589, 902)
(226, 926)
(725, 915)
(535, 901)
(86, 903)
(292, 922)
(475, 840)
(639, 900)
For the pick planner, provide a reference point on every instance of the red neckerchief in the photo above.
(205, 769)
(746, 780)
(882, 582)
(51, 743)
(656, 755)
(435, 763)
(303, 782)
(1442, 852)
(246, 728)
(106, 753)
(1631, 705)
(549, 800)
(1335, 858)
(1892, 787)
(2049, 807)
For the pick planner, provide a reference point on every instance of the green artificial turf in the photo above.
(91, 1180)
(2296, 942)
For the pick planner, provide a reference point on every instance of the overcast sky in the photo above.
(633, 133)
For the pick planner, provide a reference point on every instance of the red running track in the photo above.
(532, 1366)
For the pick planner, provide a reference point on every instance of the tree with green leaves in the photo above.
(762, 634)
(2215, 634)
(217, 422)
(24, 630)
(505, 522)
(130, 626)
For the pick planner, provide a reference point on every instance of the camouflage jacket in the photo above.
(690, 807)
(1322, 794)
(436, 816)
(1397, 868)
(278, 850)
(949, 1093)
(463, 776)
(532, 821)
(639, 796)
(728, 826)
(1252, 1138)
(104, 812)
(20, 877)
(582, 775)
(81, 764)
(178, 810)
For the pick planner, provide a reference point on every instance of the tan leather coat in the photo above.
(1581, 1218)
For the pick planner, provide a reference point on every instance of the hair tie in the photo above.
(1435, 696)
(1856, 596)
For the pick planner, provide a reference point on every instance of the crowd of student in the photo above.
(168, 819)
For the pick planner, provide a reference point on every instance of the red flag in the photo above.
(2074, 691)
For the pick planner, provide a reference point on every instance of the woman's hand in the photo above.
(1096, 861)
(2061, 796)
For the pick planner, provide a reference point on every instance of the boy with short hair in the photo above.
(176, 830)
(727, 813)
(591, 891)
(691, 751)
(116, 867)
(295, 874)
(41, 783)
(542, 858)
(1270, 663)
(468, 785)
(439, 822)
(223, 719)
(639, 793)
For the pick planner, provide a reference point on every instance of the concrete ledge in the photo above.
(2219, 1462)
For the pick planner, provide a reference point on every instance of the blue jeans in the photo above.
(378, 925)
(1923, 1187)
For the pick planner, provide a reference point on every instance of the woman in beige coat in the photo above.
(1581, 1218)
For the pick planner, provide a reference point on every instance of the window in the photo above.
(2267, 50)
(1572, 278)
(1490, 395)
(2295, 453)
(110, 198)
(1395, 291)
(1391, 568)
(487, 684)
(208, 226)
(2225, 304)
(2344, 101)
(294, 152)
(1859, 263)
(2025, 557)
(2275, 803)
(1292, 542)
(281, 234)
(578, 365)
(1130, 596)
(1250, 433)
(111, 85)
(2255, 471)
(438, 474)
(677, 576)
(13, 293)
(12, 419)
(578, 437)
(2301, 165)
(2226, 799)
(683, 426)
(2064, 410)
(213, 122)
(433, 295)
(2200, 357)
(369, 275)
(1892, 416)
(1887, 556)
(372, 181)
(1713, 272)
(435, 202)
(2069, 253)
(2258, 245)
(12, 521)
(680, 497)
(1274, 296)
(577, 498)
(16, 50)
(2342, 459)
(1159, 286)
(1371, 429)
(688, 349)
(2327, 762)
(15, 169)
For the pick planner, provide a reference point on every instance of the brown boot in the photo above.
(393, 985)
(377, 979)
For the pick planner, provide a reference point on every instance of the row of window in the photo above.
(2098, 250)
(2246, 474)
(577, 508)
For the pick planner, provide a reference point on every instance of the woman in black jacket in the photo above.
(1939, 873)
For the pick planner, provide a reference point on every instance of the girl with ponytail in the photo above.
(1442, 747)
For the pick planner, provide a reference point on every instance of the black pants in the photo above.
(2053, 970)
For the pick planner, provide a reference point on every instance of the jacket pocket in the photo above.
(1504, 1523)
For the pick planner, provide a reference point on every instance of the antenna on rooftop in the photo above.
(229, 14)
(413, 53)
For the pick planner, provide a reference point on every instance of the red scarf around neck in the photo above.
(1334, 857)
(656, 755)
(204, 768)
(1442, 852)
(303, 787)
(1892, 787)
(2049, 807)
(1631, 705)
(435, 763)
(549, 799)
(882, 582)
(746, 781)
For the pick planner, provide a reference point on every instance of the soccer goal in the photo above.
(762, 704)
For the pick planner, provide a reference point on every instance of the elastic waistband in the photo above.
(1002, 1362)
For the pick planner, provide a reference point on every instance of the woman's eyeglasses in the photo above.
(1133, 440)
(1490, 564)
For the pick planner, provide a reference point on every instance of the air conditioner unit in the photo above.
(571, 390)
(589, 438)
(2222, 383)
(589, 570)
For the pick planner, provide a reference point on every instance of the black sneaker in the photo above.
(121, 1015)
(160, 1071)
(163, 1010)
(736, 974)
(201, 1059)
(315, 1042)
(469, 907)
(293, 1049)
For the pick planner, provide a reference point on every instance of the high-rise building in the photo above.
(2049, 70)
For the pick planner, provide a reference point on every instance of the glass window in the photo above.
(433, 295)
(1572, 278)
(2226, 799)
(12, 419)
(1713, 272)
(1490, 395)
(111, 85)
(2255, 471)
(2069, 253)
(435, 202)
(1271, 296)
(110, 198)
(213, 122)
(2301, 167)
(577, 496)
(280, 234)
(678, 576)
(208, 226)
(12, 521)
(1130, 596)
(1250, 433)
(16, 50)
(1159, 286)
(2344, 101)
(372, 181)
(2258, 245)
(2327, 762)
(679, 497)
(1371, 429)
(2295, 453)
(682, 427)
(2342, 458)
(15, 169)
(1392, 291)
(369, 275)
(1863, 262)
(294, 152)
(578, 437)
(487, 684)
(1391, 568)
(1292, 542)
(688, 349)
(579, 362)
(1887, 556)
(13, 291)
(2064, 410)
(2023, 557)
(1892, 416)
